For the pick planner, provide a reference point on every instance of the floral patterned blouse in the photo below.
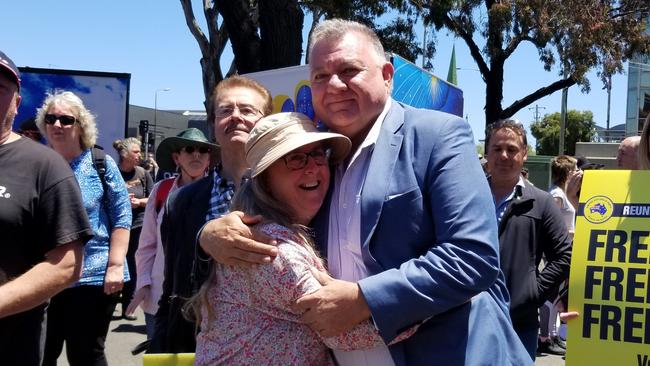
(249, 320)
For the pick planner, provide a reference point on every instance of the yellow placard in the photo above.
(168, 359)
(610, 271)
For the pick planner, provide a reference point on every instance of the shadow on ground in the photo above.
(130, 328)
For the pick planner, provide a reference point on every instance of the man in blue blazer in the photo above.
(410, 231)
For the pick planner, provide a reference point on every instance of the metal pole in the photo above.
(609, 104)
(146, 146)
(155, 113)
(424, 43)
(563, 116)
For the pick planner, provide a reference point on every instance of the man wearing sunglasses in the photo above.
(239, 103)
(44, 227)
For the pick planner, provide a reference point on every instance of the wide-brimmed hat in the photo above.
(188, 137)
(278, 134)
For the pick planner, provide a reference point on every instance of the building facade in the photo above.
(638, 92)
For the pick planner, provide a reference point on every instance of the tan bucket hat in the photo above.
(278, 134)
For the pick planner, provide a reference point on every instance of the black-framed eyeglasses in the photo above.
(200, 149)
(246, 111)
(298, 160)
(65, 120)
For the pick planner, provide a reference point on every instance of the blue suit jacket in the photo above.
(429, 236)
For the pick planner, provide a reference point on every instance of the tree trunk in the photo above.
(281, 24)
(243, 35)
(493, 94)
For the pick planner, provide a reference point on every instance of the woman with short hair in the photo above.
(139, 185)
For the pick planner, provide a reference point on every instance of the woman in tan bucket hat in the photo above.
(245, 312)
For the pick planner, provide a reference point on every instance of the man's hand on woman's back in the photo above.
(231, 240)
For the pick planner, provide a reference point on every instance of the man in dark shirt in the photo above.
(43, 225)
(530, 225)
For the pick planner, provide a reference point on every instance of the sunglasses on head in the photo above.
(51, 119)
(192, 149)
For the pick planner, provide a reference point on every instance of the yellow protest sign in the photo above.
(610, 271)
(168, 359)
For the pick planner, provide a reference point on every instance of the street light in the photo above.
(155, 110)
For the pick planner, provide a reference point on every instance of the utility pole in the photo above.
(424, 43)
(563, 114)
(537, 108)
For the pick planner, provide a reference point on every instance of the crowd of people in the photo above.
(281, 244)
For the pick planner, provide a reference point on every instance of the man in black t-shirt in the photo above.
(43, 227)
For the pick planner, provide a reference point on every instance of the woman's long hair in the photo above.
(252, 198)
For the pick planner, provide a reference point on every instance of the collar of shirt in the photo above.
(501, 206)
(373, 134)
(344, 253)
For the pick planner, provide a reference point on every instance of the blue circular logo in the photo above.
(598, 209)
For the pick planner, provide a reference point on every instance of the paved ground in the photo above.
(124, 335)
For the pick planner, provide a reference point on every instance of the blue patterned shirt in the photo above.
(119, 211)
(220, 197)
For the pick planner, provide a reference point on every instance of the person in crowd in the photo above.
(189, 153)
(150, 166)
(525, 214)
(43, 226)
(627, 154)
(401, 232)
(563, 170)
(288, 181)
(238, 103)
(80, 315)
(28, 129)
(139, 185)
(644, 146)
(575, 180)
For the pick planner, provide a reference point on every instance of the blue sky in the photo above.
(150, 40)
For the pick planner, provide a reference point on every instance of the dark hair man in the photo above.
(44, 227)
(530, 225)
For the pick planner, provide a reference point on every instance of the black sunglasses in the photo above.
(51, 119)
(192, 149)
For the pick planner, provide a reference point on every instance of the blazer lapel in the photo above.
(380, 170)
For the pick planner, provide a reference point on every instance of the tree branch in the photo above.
(514, 43)
(194, 27)
(223, 36)
(474, 50)
(211, 18)
(537, 94)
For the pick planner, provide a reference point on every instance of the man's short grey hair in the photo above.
(84, 117)
(335, 29)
